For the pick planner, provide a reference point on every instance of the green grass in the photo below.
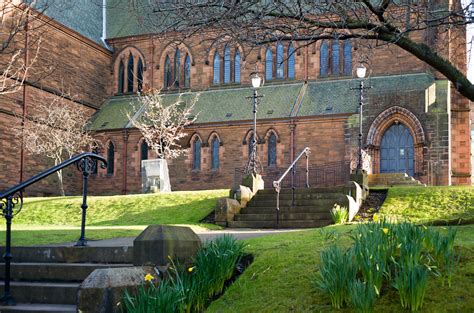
(279, 279)
(429, 204)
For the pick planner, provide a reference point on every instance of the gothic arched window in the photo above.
(324, 59)
(143, 152)
(291, 61)
(272, 151)
(130, 74)
(140, 75)
(177, 67)
(121, 77)
(187, 71)
(215, 153)
(226, 64)
(110, 158)
(268, 64)
(280, 64)
(197, 154)
(347, 57)
(217, 69)
(335, 58)
(167, 72)
(237, 67)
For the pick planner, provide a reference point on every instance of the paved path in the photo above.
(204, 234)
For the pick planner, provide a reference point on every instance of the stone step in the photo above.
(58, 272)
(38, 308)
(339, 189)
(298, 196)
(43, 292)
(282, 217)
(282, 224)
(326, 203)
(56, 254)
(296, 209)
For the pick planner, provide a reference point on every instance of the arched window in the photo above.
(130, 74)
(324, 59)
(110, 158)
(121, 77)
(197, 154)
(280, 64)
(215, 153)
(226, 64)
(237, 67)
(291, 61)
(217, 69)
(187, 71)
(268, 64)
(347, 57)
(167, 72)
(140, 75)
(272, 152)
(143, 152)
(335, 58)
(177, 67)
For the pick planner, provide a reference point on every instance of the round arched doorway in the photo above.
(397, 150)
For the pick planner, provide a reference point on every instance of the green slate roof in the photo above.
(279, 101)
(336, 96)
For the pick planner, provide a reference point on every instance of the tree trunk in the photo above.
(60, 178)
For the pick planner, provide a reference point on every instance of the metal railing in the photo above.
(277, 183)
(11, 203)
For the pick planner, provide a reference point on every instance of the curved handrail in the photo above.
(40, 176)
(11, 202)
(277, 183)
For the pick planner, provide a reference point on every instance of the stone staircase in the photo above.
(393, 179)
(312, 208)
(47, 278)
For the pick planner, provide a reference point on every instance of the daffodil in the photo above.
(149, 277)
(385, 230)
(375, 218)
(191, 269)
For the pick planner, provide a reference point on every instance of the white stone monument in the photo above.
(155, 177)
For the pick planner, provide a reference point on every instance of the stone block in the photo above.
(225, 210)
(254, 182)
(157, 243)
(103, 289)
(360, 177)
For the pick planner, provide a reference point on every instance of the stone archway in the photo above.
(393, 116)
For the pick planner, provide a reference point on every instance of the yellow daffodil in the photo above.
(149, 277)
(191, 269)
(375, 218)
(385, 230)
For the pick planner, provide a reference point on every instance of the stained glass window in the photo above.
(197, 154)
(121, 77)
(237, 67)
(280, 64)
(140, 75)
(167, 72)
(177, 67)
(110, 158)
(215, 153)
(272, 152)
(268, 64)
(187, 71)
(335, 58)
(226, 65)
(217, 69)
(130, 74)
(324, 59)
(347, 57)
(291, 61)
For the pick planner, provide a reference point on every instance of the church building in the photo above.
(414, 120)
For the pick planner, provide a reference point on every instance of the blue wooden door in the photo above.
(396, 150)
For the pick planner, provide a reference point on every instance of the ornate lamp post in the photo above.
(253, 164)
(361, 72)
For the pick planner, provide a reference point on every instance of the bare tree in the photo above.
(163, 125)
(416, 26)
(58, 132)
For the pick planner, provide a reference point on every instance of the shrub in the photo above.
(335, 275)
(339, 214)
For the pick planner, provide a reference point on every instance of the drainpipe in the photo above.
(24, 112)
(292, 140)
(104, 24)
(125, 159)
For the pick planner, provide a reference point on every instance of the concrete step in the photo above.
(282, 224)
(283, 216)
(298, 196)
(58, 272)
(38, 308)
(340, 189)
(43, 292)
(56, 254)
(296, 209)
(326, 203)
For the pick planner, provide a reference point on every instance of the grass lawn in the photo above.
(55, 220)
(428, 204)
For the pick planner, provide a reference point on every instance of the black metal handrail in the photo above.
(11, 203)
(277, 183)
